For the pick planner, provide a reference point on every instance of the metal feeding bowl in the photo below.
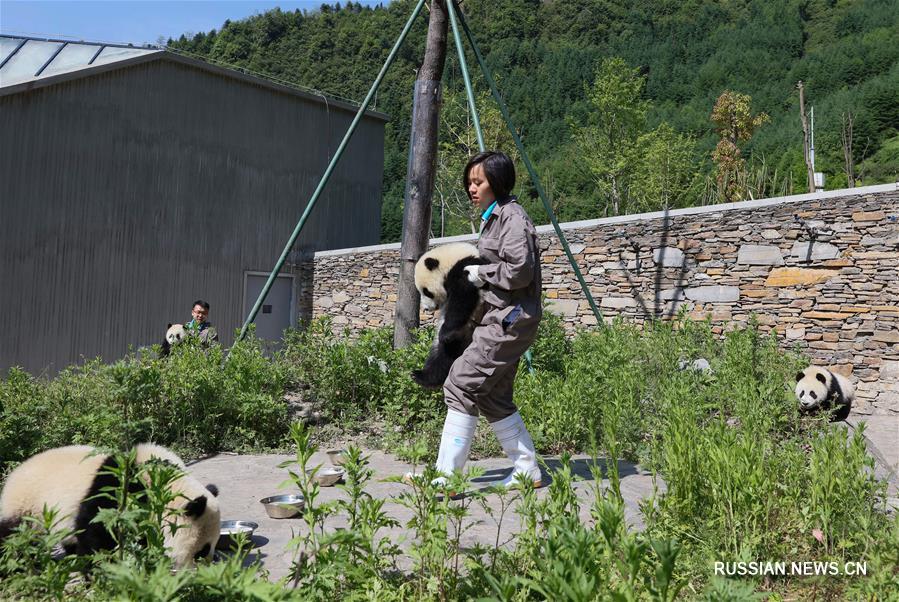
(337, 456)
(328, 477)
(230, 529)
(283, 506)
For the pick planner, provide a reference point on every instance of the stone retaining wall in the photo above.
(821, 269)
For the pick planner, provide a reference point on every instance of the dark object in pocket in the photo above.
(511, 317)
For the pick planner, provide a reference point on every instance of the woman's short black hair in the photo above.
(499, 170)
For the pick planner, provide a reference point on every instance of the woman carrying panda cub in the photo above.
(480, 380)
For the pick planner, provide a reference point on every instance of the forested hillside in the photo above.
(614, 99)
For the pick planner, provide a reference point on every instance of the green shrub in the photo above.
(195, 400)
(348, 377)
(24, 413)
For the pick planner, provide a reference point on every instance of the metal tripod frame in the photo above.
(456, 18)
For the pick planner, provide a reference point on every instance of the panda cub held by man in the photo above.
(70, 479)
(818, 388)
(441, 280)
(174, 334)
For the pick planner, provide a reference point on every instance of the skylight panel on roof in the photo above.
(27, 61)
(73, 56)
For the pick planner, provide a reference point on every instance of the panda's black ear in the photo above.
(800, 376)
(196, 506)
(820, 377)
(169, 326)
(431, 263)
(213, 489)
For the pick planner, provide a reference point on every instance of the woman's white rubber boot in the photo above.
(455, 444)
(517, 443)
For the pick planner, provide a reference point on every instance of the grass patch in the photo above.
(747, 477)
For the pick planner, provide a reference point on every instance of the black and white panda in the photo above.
(174, 334)
(819, 388)
(443, 284)
(69, 479)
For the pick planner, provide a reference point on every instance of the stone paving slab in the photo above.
(882, 435)
(244, 480)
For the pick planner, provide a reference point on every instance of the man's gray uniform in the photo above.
(481, 378)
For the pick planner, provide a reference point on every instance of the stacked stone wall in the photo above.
(821, 270)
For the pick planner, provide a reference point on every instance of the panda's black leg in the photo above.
(434, 372)
(439, 361)
(91, 536)
(841, 410)
(7, 526)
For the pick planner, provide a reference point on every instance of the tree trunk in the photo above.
(805, 139)
(420, 172)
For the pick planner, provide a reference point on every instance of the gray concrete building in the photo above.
(136, 180)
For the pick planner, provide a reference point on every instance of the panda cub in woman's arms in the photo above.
(70, 479)
(819, 388)
(441, 280)
(174, 334)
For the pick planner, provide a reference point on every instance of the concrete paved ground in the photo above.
(882, 435)
(244, 480)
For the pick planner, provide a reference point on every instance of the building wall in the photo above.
(836, 299)
(128, 194)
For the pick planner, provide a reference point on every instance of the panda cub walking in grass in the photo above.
(73, 480)
(818, 388)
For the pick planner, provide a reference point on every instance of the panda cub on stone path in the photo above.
(819, 388)
(69, 479)
(443, 284)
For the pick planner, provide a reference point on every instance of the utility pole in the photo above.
(420, 172)
(806, 146)
(846, 139)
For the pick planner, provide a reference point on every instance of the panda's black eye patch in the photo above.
(801, 393)
(813, 394)
(821, 378)
(427, 293)
(431, 263)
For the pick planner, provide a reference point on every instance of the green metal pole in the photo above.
(451, 9)
(524, 156)
(327, 174)
(528, 356)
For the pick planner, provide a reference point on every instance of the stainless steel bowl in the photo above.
(283, 506)
(229, 530)
(330, 476)
(337, 456)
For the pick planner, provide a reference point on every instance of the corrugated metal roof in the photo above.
(28, 59)
(29, 63)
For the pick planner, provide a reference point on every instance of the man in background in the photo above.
(200, 326)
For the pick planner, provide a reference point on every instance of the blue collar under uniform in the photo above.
(486, 215)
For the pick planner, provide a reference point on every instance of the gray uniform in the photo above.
(481, 379)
